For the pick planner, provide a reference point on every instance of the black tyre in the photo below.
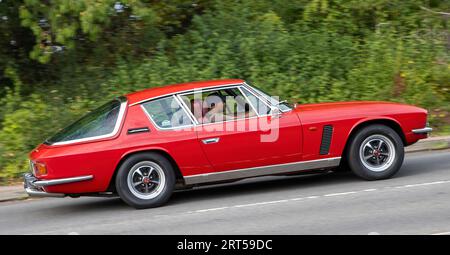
(145, 180)
(376, 152)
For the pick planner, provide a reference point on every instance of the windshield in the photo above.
(282, 105)
(99, 123)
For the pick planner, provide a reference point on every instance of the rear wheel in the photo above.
(145, 180)
(376, 152)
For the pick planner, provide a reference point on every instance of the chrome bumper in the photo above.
(424, 130)
(34, 187)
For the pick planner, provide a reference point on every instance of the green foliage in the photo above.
(58, 59)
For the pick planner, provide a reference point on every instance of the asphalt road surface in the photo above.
(415, 201)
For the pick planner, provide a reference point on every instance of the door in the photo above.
(237, 132)
(173, 130)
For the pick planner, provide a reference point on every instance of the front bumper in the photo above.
(35, 187)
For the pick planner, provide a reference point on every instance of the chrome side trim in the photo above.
(44, 183)
(262, 170)
(424, 130)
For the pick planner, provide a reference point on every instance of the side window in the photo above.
(261, 107)
(218, 105)
(167, 113)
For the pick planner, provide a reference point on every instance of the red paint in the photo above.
(300, 135)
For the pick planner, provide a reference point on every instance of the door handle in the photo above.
(211, 140)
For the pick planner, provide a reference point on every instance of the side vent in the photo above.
(327, 133)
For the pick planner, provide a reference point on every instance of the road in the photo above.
(415, 201)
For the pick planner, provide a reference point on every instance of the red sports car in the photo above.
(144, 145)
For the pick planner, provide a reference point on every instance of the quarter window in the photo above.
(283, 106)
(262, 108)
(167, 113)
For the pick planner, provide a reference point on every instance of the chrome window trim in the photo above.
(214, 89)
(261, 99)
(248, 100)
(192, 91)
(112, 134)
(178, 95)
(186, 109)
(212, 123)
(162, 128)
(243, 84)
(255, 93)
(263, 170)
(183, 91)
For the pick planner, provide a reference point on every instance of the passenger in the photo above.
(216, 112)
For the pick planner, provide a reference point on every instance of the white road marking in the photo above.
(262, 203)
(340, 194)
(441, 234)
(421, 184)
(211, 209)
(325, 195)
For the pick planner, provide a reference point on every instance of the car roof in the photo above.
(145, 94)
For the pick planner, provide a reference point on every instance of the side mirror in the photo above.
(275, 112)
(282, 102)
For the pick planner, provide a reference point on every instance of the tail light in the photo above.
(39, 168)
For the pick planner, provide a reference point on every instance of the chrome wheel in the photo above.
(146, 180)
(377, 153)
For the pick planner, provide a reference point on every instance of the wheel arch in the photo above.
(392, 123)
(178, 175)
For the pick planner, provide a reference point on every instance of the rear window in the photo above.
(98, 123)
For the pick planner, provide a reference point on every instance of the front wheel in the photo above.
(376, 152)
(145, 180)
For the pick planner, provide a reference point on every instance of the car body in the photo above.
(309, 137)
